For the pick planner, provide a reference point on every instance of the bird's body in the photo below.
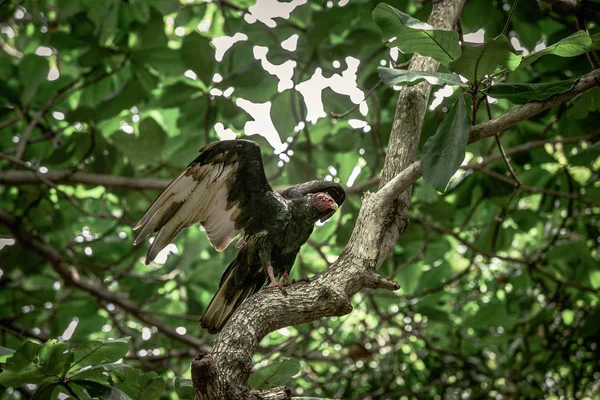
(276, 246)
(225, 189)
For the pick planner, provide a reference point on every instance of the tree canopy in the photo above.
(102, 103)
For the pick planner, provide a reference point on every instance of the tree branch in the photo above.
(71, 277)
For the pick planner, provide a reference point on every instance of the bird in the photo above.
(225, 189)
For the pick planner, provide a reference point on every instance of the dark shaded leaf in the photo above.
(572, 46)
(402, 77)
(479, 60)
(521, 93)
(444, 152)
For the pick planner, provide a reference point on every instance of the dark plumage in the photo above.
(226, 190)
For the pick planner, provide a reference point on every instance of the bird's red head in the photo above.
(325, 205)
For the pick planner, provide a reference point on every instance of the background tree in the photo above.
(103, 102)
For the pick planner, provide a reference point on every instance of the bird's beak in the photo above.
(328, 212)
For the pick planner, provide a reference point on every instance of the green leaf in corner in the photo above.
(98, 352)
(444, 152)
(479, 60)
(413, 36)
(45, 390)
(97, 390)
(402, 77)
(521, 93)
(184, 388)
(275, 374)
(571, 46)
(22, 368)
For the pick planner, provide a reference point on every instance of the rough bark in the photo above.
(223, 373)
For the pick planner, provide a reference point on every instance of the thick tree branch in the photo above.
(71, 277)
(21, 177)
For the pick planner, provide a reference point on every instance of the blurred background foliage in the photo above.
(96, 90)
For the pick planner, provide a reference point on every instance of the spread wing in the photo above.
(335, 190)
(220, 189)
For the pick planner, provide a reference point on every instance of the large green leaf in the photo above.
(45, 391)
(33, 71)
(100, 391)
(413, 36)
(479, 60)
(521, 93)
(402, 77)
(199, 56)
(444, 152)
(571, 46)
(54, 358)
(141, 386)
(22, 367)
(98, 352)
(275, 374)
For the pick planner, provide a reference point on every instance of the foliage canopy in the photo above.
(102, 102)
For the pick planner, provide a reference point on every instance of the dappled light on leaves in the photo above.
(103, 103)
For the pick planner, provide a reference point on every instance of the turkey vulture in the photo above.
(225, 189)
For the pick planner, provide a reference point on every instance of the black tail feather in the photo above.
(237, 284)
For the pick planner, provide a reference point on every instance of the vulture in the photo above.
(225, 190)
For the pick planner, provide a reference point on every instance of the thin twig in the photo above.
(356, 106)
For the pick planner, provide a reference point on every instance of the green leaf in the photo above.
(568, 316)
(199, 56)
(143, 149)
(98, 390)
(22, 367)
(521, 93)
(141, 386)
(55, 358)
(184, 388)
(98, 352)
(147, 80)
(33, 71)
(444, 152)
(571, 46)
(402, 77)
(177, 94)
(413, 36)
(164, 60)
(164, 6)
(45, 390)
(275, 374)
(123, 99)
(97, 373)
(479, 60)
(5, 353)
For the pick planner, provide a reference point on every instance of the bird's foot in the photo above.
(274, 282)
(286, 279)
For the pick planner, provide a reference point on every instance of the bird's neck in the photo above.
(304, 211)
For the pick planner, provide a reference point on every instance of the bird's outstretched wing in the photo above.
(221, 189)
(335, 190)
